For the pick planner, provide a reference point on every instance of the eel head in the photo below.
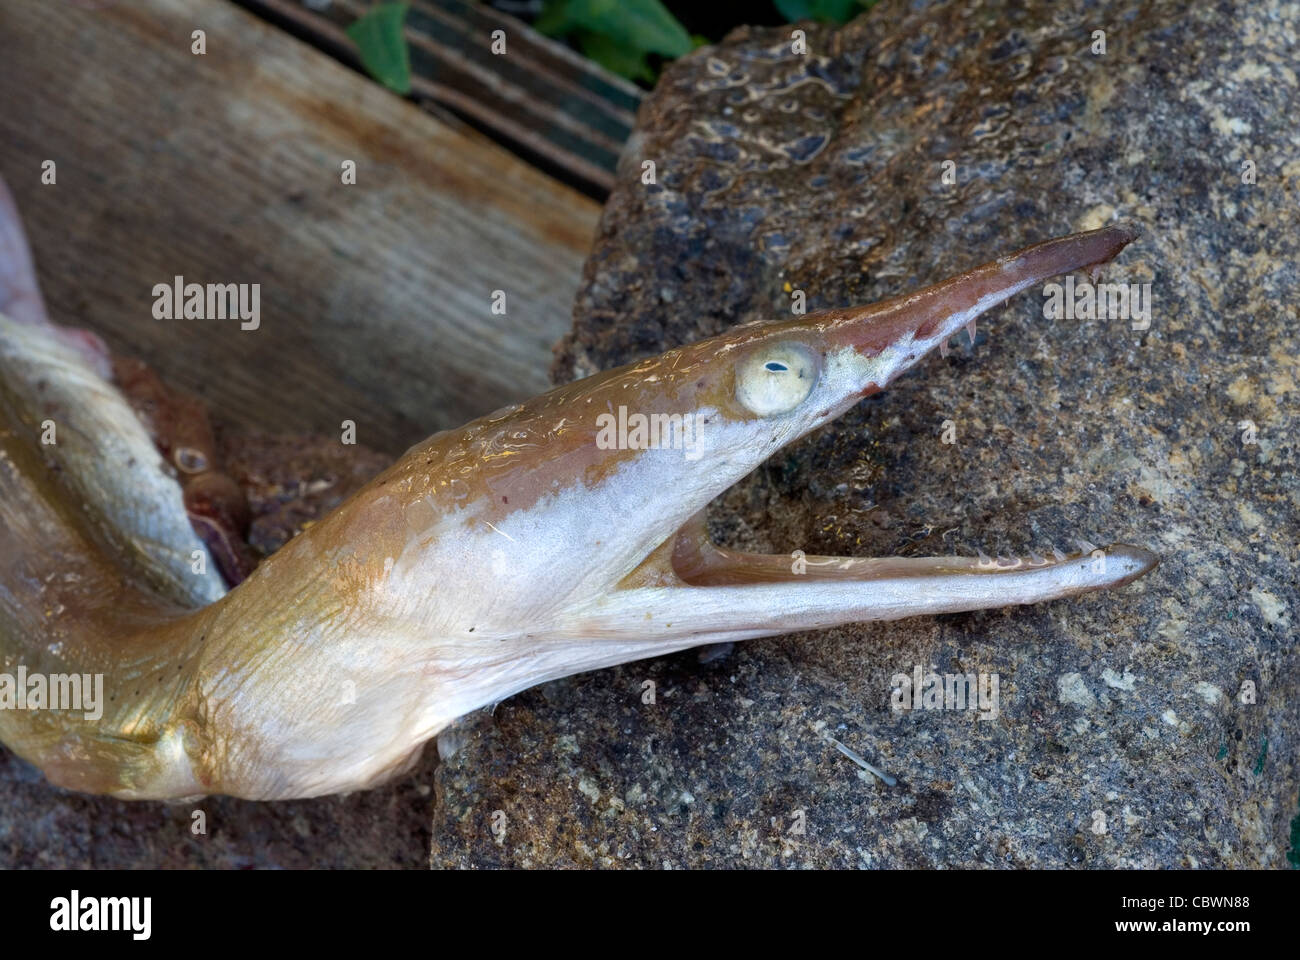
(566, 533)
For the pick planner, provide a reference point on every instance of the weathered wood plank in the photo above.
(225, 168)
(556, 108)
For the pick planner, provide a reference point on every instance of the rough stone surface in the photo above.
(49, 827)
(1121, 739)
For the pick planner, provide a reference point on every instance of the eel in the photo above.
(542, 540)
(178, 423)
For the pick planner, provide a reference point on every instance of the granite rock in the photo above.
(1125, 734)
(47, 827)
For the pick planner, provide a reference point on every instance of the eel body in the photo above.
(542, 540)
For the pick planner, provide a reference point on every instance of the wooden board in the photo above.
(226, 168)
(559, 110)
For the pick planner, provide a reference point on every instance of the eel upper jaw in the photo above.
(689, 592)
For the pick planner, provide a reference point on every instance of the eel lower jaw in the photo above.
(692, 592)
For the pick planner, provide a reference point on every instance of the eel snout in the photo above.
(691, 589)
(894, 334)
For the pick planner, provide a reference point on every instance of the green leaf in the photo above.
(625, 61)
(633, 24)
(554, 20)
(823, 11)
(379, 37)
(794, 10)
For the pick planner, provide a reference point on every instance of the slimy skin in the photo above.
(517, 549)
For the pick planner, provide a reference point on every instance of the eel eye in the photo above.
(776, 379)
(189, 460)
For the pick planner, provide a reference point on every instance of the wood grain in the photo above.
(225, 168)
(561, 111)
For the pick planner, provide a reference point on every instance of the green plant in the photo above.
(381, 41)
(823, 11)
(620, 35)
